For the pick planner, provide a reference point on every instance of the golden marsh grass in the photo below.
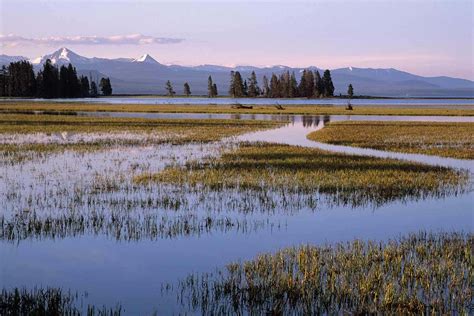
(454, 140)
(418, 274)
(306, 170)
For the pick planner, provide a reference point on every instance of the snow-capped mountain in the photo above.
(60, 57)
(145, 75)
(145, 59)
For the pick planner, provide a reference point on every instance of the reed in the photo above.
(422, 273)
(299, 170)
(454, 140)
(49, 301)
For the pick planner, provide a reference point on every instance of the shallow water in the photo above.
(401, 102)
(114, 269)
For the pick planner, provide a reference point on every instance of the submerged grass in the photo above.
(292, 169)
(27, 135)
(29, 107)
(454, 140)
(419, 274)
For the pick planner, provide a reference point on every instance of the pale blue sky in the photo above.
(425, 37)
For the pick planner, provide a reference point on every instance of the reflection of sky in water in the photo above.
(132, 272)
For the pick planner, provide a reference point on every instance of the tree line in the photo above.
(310, 85)
(18, 79)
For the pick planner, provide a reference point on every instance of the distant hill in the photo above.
(145, 75)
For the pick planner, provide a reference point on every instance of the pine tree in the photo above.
(214, 90)
(327, 83)
(49, 81)
(19, 79)
(303, 85)
(187, 89)
(253, 89)
(94, 92)
(231, 84)
(63, 84)
(3, 81)
(350, 91)
(309, 90)
(274, 87)
(74, 88)
(266, 87)
(284, 84)
(85, 88)
(105, 86)
(245, 89)
(293, 88)
(169, 89)
(210, 90)
(318, 85)
(238, 86)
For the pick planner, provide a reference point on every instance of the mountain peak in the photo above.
(145, 59)
(61, 56)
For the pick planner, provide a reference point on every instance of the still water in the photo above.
(400, 102)
(131, 271)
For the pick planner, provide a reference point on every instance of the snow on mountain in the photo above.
(60, 57)
(146, 59)
(146, 75)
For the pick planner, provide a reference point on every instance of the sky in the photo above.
(425, 37)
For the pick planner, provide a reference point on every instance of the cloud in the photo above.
(12, 40)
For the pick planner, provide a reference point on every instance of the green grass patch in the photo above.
(419, 274)
(302, 170)
(454, 140)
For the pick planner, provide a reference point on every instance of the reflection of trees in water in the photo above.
(314, 120)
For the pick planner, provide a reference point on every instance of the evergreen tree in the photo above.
(74, 88)
(266, 87)
(63, 84)
(49, 81)
(309, 90)
(253, 89)
(350, 91)
(20, 79)
(231, 84)
(274, 87)
(302, 87)
(169, 89)
(238, 86)
(245, 89)
(318, 85)
(94, 92)
(327, 84)
(3, 81)
(284, 84)
(210, 88)
(293, 87)
(187, 89)
(214, 90)
(85, 88)
(105, 86)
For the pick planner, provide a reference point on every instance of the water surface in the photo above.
(131, 272)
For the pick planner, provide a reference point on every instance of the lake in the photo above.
(129, 260)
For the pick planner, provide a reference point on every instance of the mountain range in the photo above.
(145, 75)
